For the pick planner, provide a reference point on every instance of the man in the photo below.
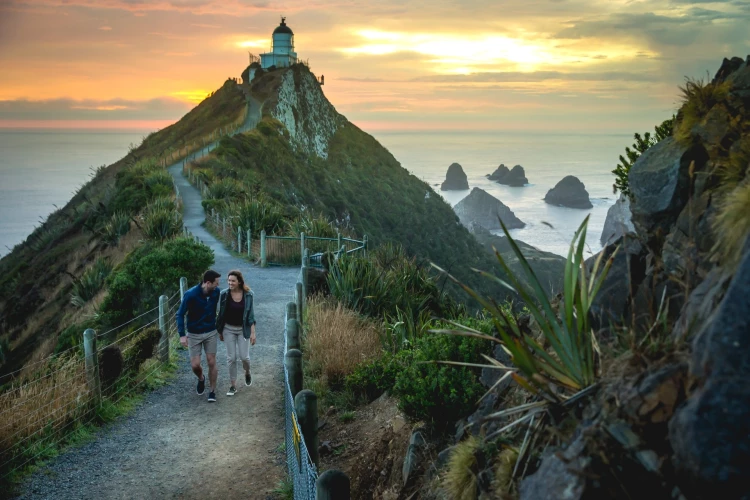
(200, 305)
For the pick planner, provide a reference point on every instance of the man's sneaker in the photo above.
(248, 379)
(201, 386)
(232, 390)
(211, 397)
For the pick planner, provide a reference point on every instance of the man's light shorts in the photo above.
(208, 341)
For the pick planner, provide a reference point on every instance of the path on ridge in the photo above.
(176, 444)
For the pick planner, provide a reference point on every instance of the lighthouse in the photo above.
(282, 54)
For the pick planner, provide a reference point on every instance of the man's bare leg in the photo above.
(195, 363)
(213, 371)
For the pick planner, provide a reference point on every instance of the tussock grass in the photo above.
(698, 97)
(505, 462)
(461, 476)
(89, 284)
(338, 339)
(35, 409)
(731, 225)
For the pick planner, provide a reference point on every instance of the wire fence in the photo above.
(40, 411)
(300, 467)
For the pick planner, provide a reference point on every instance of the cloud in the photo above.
(540, 76)
(105, 28)
(163, 108)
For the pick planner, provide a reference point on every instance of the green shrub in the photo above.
(89, 284)
(136, 186)
(117, 227)
(150, 271)
(374, 378)
(640, 146)
(440, 393)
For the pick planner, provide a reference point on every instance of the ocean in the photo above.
(41, 169)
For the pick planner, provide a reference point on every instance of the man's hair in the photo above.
(210, 276)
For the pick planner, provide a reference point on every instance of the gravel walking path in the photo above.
(176, 444)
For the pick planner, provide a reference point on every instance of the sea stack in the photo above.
(483, 209)
(515, 177)
(455, 179)
(569, 192)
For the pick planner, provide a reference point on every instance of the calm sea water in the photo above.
(41, 169)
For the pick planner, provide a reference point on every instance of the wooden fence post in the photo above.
(92, 365)
(364, 244)
(249, 242)
(293, 363)
(306, 405)
(263, 259)
(338, 239)
(223, 227)
(239, 239)
(291, 310)
(300, 298)
(183, 287)
(302, 247)
(164, 340)
(292, 334)
(333, 485)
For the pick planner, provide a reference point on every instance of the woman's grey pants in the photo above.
(238, 348)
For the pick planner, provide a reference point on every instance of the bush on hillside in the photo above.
(136, 186)
(116, 227)
(161, 220)
(640, 146)
(150, 271)
(90, 282)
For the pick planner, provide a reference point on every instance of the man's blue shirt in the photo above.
(200, 309)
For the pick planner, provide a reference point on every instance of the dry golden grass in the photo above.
(698, 97)
(461, 476)
(44, 404)
(502, 482)
(731, 225)
(338, 339)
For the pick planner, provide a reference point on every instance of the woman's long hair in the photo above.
(237, 274)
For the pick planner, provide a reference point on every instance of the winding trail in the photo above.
(176, 444)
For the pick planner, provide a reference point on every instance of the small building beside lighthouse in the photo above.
(282, 53)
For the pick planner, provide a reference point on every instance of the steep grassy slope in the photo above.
(308, 157)
(37, 277)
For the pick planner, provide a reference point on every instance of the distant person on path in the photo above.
(199, 303)
(236, 326)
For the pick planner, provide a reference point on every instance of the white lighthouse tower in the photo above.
(282, 54)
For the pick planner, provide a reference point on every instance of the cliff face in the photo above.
(308, 116)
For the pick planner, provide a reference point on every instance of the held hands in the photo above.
(252, 337)
(183, 341)
(221, 337)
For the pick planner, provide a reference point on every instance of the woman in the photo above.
(236, 323)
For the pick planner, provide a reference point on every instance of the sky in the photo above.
(582, 66)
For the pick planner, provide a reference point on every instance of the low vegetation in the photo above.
(641, 144)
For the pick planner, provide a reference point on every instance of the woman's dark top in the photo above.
(234, 311)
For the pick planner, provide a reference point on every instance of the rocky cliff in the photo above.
(672, 420)
(482, 208)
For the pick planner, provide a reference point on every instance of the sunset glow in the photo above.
(541, 63)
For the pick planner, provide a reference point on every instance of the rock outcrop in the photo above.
(455, 179)
(569, 192)
(499, 173)
(482, 208)
(618, 222)
(515, 177)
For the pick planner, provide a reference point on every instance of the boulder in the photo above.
(618, 222)
(414, 454)
(569, 192)
(499, 173)
(612, 304)
(484, 209)
(455, 179)
(710, 435)
(515, 178)
(660, 184)
(560, 475)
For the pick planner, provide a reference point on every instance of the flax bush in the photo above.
(90, 283)
(161, 220)
(116, 227)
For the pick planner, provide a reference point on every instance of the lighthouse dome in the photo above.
(283, 28)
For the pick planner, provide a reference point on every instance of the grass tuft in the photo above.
(731, 226)
(461, 475)
(698, 97)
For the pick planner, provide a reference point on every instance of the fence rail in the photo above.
(280, 250)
